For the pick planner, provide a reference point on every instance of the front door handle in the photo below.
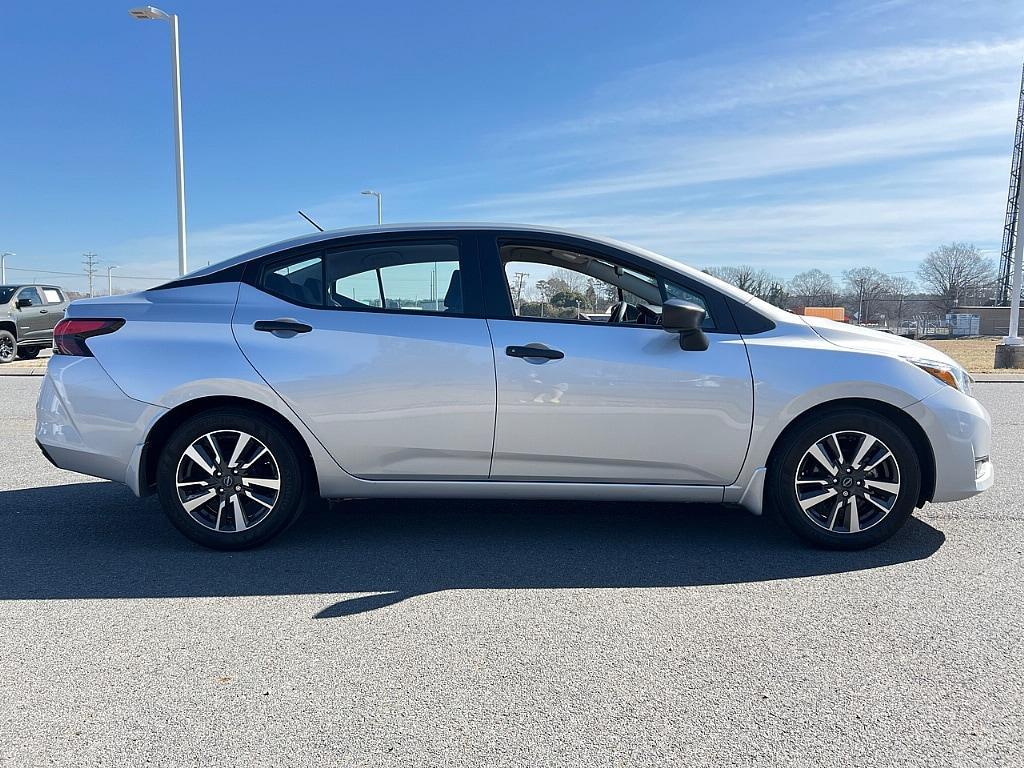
(530, 350)
(289, 327)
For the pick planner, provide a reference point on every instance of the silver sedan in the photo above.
(495, 361)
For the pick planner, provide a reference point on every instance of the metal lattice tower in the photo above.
(1012, 206)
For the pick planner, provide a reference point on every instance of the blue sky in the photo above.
(786, 135)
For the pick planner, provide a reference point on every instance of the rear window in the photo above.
(52, 296)
(299, 279)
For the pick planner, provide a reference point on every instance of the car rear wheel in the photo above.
(8, 346)
(229, 481)
(847, 480)
(29, 353)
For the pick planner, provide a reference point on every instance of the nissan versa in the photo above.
(409, 361)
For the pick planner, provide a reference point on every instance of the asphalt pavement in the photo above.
(504, 633)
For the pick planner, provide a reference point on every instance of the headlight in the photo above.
(953, 375)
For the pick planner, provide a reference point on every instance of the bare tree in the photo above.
(956, 273)
(755, 281)
(864, 287)
(574, 281)
(899, 289)
(814, 288)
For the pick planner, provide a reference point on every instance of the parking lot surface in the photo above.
(483, 633)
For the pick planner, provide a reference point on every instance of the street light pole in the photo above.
(110, 284)
(3, 267)
(149, 12)
(380, 213)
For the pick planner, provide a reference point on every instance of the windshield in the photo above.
(5, 293)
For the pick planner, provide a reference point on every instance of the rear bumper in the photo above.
(85, 423)
(960, 432)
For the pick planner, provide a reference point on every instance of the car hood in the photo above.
(869, 340)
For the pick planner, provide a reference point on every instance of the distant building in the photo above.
(992, 321)
(829, 313)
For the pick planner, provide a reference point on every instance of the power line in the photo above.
(79, 274)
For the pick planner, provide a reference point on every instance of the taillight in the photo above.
(70, 334)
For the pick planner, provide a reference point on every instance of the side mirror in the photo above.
(22, 303)
(684, 318)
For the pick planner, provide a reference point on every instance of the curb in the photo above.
(23, 372)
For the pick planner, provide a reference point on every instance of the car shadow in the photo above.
(96, 540)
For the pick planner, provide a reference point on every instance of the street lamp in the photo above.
(110, 284)
(380, 215)
(147, 12)
(3, 267)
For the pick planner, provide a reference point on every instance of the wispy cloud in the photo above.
(876, 153)
(676, 91)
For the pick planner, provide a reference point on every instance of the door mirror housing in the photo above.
(684, 318)
(22, 303)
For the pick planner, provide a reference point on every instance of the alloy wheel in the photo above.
(847, 482)
(6, 348)
(228, 481)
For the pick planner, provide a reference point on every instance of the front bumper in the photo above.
(85, 423)
(960, 432)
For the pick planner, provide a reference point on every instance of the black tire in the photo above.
(29, 353)
(293, 473)
(8, 347)
(782, 479)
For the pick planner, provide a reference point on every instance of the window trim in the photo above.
(469, 266)
(59, 292)
(37, 302)
(501, 307)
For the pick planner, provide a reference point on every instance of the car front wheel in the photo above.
(228, 480)
(8, 346)
(846, 480)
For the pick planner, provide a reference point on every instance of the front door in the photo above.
(32, 320)
(373, 346)
(591, 389)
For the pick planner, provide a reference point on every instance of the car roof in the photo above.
(318, 237)
(332, 234)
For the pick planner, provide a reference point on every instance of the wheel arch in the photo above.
(915, 433)
(9, 325)
(162, 429)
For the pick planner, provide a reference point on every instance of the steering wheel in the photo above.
(618, 312)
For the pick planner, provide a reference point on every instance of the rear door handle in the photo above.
(534, 351)
(43, 311)
(282, 326)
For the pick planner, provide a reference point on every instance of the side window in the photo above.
(32, 295)
(673, 291)
(299, 279)
(52, 296)
(553, 283)
(401, 277)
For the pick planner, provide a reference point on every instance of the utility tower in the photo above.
(89, 264)
(520, 276)
(1012, 205)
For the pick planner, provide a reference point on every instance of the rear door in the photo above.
(54, 305)
(379, 346)
(582, 397)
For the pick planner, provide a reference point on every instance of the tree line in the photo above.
(953, 275)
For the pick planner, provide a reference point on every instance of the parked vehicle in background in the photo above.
(395, 362)
(28, 315)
